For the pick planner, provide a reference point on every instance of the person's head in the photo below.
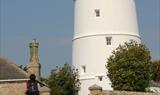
(32, 77)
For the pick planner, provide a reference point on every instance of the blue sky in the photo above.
(51, 23)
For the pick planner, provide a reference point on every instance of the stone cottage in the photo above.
(13, 79)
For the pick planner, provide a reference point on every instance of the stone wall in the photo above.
(12, 88)
(125, 93)
(97, 90)
(17, 88)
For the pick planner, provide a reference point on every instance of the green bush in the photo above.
(64, 81)
(129, 67)
(156, 71)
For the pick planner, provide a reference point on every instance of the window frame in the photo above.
(83, 69)
(108, 40)
(97, 12)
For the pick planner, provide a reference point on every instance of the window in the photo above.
(100, 78)
(84, 68)
(97, 11)
(108, 40)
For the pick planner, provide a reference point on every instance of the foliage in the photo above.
(23, 67)
(43, 79)
(64, 81)
(129, 67)
(156, 71)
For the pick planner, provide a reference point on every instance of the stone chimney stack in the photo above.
(34, 66)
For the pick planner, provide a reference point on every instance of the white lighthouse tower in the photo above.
(100, 27)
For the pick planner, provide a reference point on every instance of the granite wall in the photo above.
(97, 90)
(18, 88)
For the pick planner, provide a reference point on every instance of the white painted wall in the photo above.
(117, 17)
(117, 20)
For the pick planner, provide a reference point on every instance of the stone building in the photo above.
(34, 67)
(13, 79)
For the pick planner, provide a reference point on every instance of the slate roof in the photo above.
(8, 70)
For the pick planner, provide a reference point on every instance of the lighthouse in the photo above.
(100, 26)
